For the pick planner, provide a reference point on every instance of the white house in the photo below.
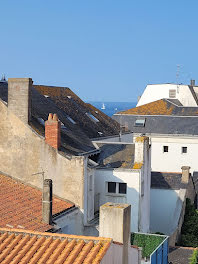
(123, 176)
(172, 129)
(168, 199)
(186, 94)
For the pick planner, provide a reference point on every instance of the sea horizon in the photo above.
(110, 108)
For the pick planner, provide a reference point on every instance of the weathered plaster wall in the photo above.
(163, 205)
(131, 177)
(23, 153)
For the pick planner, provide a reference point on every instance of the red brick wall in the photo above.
(53, 133)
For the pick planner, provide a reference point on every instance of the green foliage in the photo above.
(189, 232)
(148, 243)
(194, 258)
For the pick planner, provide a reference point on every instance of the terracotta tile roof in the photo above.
(21, 205)
(20, 246)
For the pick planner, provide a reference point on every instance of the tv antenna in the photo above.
(177, 76)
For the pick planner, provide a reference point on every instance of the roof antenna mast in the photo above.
(177, 76)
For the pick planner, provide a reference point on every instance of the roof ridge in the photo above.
(48, 234)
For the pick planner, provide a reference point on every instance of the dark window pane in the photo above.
(165, 148)
(122, 187)
(184, 149)
(111, 187)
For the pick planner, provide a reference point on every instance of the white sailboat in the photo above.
(103, 106)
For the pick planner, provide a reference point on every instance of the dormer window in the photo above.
(140, 122)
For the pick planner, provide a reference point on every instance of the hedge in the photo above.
(189, 231)
(148, 243)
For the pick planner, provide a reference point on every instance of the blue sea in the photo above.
(113, 107)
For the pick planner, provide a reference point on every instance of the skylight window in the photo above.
(140, 122)
(63, 126)
(71, 120)
(41, 121)
(93, 118)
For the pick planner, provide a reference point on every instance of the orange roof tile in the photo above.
(20, 246)
(159, 107)
(21, 205)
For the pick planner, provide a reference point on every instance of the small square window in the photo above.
(122, 188)
(165, 148)
(112, 187)
(184, 149)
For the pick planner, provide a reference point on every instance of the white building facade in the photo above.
(186, 94)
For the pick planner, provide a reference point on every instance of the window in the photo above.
(111, 187)
(93, 118)
(71, 120)
(140, 122)
(172, 93)
(165, 148)
(122, 187)
(117, 187)
(184, 149)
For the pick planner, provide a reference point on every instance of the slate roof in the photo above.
(162, 107)
(166, 180)
(20, 246)
(71, 104)
(178, 125)
(180, 255)
(77, 125)
(21, 205)
(116, 155)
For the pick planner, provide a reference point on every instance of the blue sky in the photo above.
(104, 50)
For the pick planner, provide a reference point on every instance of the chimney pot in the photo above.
(55, 117)
(50, 117)
(192, 82)
(47, 201)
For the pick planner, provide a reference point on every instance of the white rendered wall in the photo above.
(163, 206)
(114, 255)
(132, 178)
(174, 159)
(154, 92)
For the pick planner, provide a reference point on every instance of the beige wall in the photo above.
(23, 153)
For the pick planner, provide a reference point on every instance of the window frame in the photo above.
(117, 189)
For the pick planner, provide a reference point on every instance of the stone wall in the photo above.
(23, 153)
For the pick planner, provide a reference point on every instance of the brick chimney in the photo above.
(185, 174)
(19, 97)
(115, 220)
(53, 131)
(47, 201)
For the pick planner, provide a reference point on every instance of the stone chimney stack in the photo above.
(53, 131)
(47, 201)
(192, 82)
(141, 145)
(115, 222)
(185, 174)
(19, 97)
